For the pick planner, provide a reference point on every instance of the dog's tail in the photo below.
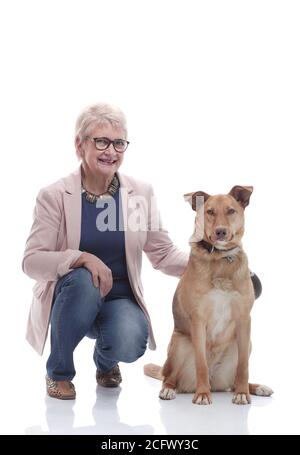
(154, 371)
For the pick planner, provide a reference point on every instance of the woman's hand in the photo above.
(102, 276)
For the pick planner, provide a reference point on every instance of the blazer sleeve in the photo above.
(41, 260)
(159, 248)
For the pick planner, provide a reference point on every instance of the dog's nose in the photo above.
(221, 233)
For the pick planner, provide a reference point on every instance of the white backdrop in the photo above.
(211, 93)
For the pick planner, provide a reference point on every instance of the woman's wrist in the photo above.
(80, 262)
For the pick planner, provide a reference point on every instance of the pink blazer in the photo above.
(53, 245)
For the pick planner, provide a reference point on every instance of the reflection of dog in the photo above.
(210, 346)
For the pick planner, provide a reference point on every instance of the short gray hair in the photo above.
(99, 114)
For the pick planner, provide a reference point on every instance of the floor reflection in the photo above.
(60, 417)
(221, 417)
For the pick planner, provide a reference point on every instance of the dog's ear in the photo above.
(192, 198)
(241, 194)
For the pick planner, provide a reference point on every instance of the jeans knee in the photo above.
(81, 275)
(77, 299)
(81, 280)
(127, 346)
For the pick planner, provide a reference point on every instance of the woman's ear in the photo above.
(78, 147)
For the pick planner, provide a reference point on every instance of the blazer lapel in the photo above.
(72, 208)
(127, 192)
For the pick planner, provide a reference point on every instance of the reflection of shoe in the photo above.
(63, 390)
(111, 378)
(256, 284)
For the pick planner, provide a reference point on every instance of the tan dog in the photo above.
(210, 346)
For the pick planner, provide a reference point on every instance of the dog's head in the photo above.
(220, 218)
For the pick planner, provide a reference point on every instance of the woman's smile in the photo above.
(106, 161)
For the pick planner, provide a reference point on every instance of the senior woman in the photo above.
(85, 252)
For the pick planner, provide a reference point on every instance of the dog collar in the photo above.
(211, 248)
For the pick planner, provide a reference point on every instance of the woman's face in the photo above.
(102, 162)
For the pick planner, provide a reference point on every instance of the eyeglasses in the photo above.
(102, 143)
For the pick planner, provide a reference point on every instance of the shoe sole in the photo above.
(111, 386)
(61, 398)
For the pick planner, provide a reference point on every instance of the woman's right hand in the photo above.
(102, 276)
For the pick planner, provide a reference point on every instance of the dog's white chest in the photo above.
(220, 311)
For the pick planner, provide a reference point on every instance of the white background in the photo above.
(212, 96)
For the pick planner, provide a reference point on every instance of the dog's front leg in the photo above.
(198, 335)
(241, 385)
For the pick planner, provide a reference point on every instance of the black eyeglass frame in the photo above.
(109, 141)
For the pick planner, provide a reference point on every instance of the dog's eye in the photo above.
(230, 211)
(210, 212)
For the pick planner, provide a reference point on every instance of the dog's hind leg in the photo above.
(260, 390)
(172, 366)
(222, 369)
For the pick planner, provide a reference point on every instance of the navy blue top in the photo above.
(102, 234)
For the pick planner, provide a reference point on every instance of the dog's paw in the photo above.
(167, 394)
(202, 398)
(241, 398)
(263, 391)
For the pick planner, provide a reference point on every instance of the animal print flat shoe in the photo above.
(63, 390)
(111, 378)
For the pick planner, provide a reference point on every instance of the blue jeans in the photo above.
(119, 326)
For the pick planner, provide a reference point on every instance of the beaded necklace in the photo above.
(112, 189)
